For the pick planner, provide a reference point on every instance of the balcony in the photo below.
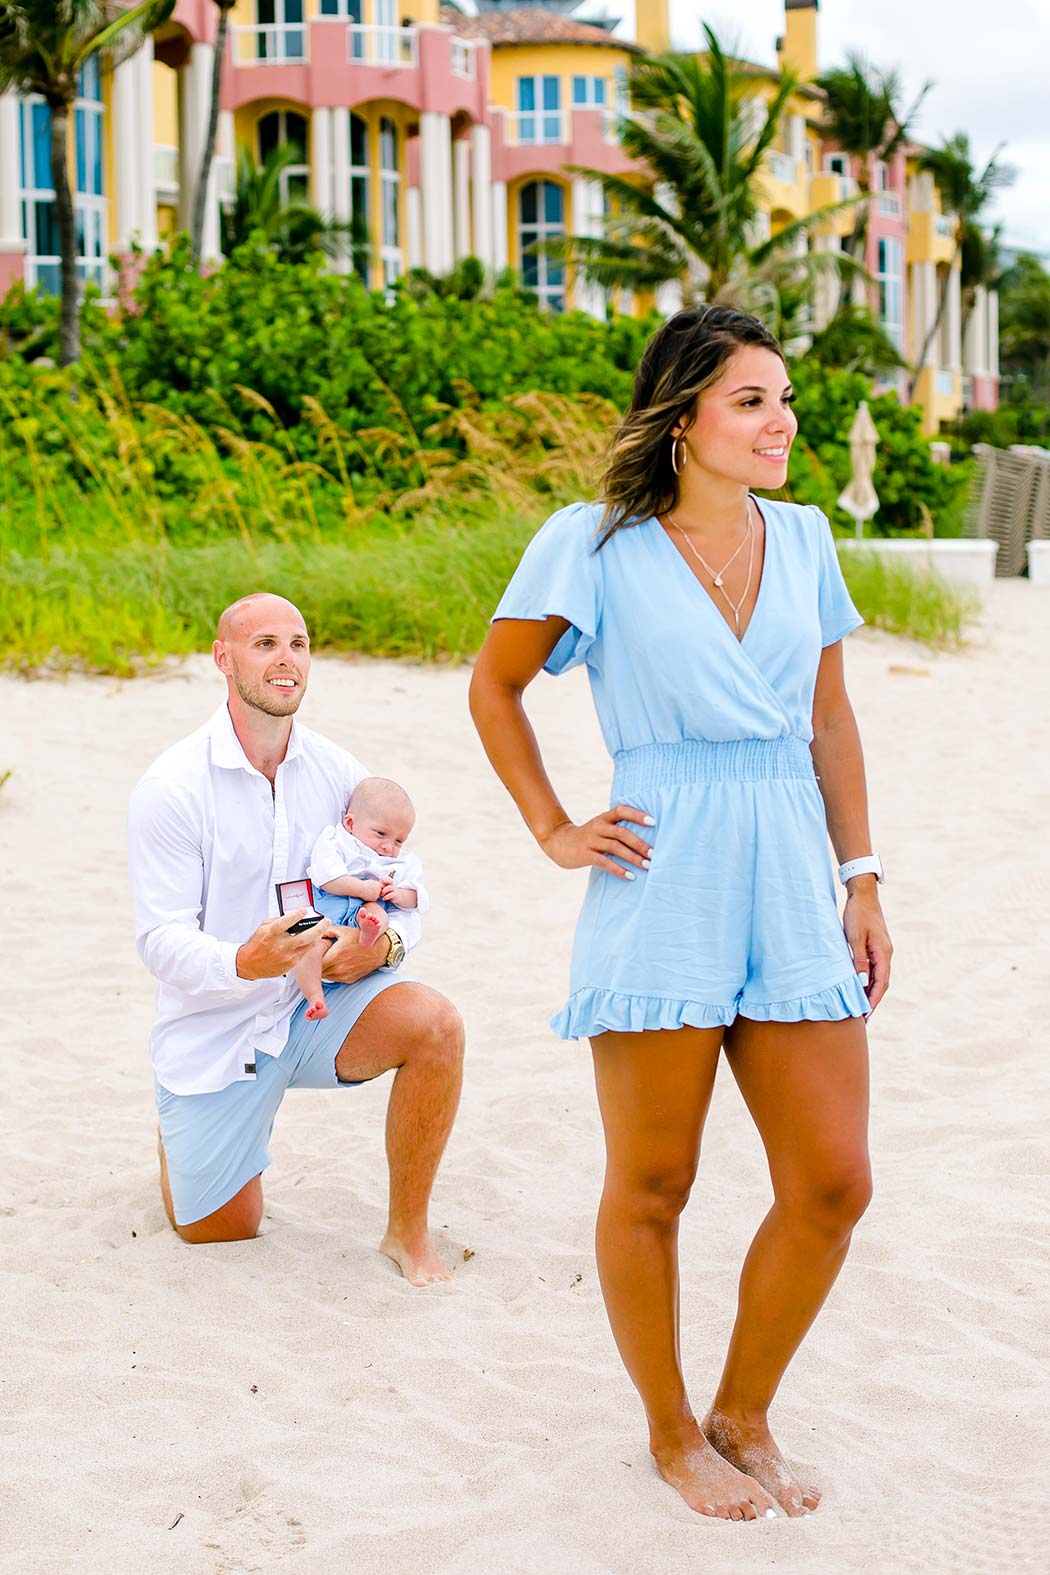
(464, 58)
(783, 168)
(538, 128)
(383, 46)
(944, 226)
(270, 43)
(165, 171)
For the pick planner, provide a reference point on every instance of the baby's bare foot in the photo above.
(708, 1483)
(417, 1259)
(316, 1010)
(750, 1446)
(372, 926)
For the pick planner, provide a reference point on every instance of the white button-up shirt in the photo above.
(208, 839)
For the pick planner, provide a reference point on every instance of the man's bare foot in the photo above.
(749, 1446)
(316, 1010)
(709, 1484)
(418, 1262)
(371, 925)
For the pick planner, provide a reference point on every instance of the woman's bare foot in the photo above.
(418, 1260)
(371, 925)
(316, 1010)
(709, 1484)
(749, 1446)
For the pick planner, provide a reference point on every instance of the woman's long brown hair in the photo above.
(681, 360)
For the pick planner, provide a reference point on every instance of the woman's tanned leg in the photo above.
(654, 1090)
(806, 1086)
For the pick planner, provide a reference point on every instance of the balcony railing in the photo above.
(165, 170)
(465, 58)
(944, 226)
(383, 46)
(535, 127)
(890, 204)
(784, 168)
(272, 43)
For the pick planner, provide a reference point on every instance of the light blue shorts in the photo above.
(215, 1143)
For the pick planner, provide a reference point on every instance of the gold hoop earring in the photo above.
(676, 465)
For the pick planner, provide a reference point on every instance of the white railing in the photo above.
(165, 169)
(944, 225)
(271, 43)
(383, 46)
(890, 204)
(784, 168)
(465, 58)
(531, 127)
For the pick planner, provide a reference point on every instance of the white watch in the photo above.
(871, 864)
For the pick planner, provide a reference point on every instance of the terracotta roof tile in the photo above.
(532, 26)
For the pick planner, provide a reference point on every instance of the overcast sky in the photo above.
(989, 63)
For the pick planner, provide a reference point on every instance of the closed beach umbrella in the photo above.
(860, 498)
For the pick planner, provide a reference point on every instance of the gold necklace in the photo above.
(717, 577)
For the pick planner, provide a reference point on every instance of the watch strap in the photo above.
(870, 864)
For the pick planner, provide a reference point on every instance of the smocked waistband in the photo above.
(701, 760)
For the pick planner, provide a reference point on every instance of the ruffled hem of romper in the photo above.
(845, 999)
(591, 1011)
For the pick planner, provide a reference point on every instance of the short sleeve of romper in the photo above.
(838, 616)
(560, 576)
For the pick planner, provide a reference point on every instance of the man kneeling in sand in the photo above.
(213, 825)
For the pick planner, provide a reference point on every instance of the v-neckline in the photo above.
(738, 640)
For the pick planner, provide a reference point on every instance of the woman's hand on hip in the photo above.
(869, 941)
(600, 842)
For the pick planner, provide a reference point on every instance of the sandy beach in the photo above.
(291, 1405)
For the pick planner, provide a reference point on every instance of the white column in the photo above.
(587, 220)
(826, 289)
(953, 316)
(924, 307)
(435, 173)
(10, 177)
(194, 106)
(321, 193)
(128, 150)
(341, 179)
(500, 258)
(973, 345)
(481, 162)
(796, 137)
(147, 192)
(993, 333)
(461, 196)
(414, 226)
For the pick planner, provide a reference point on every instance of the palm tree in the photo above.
(863, 115)
(694, 220)
(964, 193)
(44, 46)
(292, 227)
(1025, 325)
(200, 196)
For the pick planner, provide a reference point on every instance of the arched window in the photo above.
(541, 216)
(282, 126)
(389, 192)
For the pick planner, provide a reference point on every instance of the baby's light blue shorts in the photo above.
(215, 1143)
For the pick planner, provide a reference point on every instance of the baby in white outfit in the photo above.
(360, 871)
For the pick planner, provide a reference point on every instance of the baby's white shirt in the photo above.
(338, 852)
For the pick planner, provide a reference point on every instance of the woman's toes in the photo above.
(810, 1498)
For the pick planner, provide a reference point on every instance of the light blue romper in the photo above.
(710, 736)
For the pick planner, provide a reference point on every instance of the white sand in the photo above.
(301, 1407)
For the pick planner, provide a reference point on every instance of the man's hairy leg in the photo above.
(237, 1220)
(414, 1032)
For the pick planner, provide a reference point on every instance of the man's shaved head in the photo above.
(240, 616)
(263, 650)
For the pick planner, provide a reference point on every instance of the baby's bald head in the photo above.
(380, 814)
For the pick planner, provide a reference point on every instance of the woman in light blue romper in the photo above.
(710, 625)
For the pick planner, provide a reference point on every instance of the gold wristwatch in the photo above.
(396, 955)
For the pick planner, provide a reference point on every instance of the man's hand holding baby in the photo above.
(271, 950)
(349, 959)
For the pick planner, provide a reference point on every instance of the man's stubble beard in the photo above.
(266, 700)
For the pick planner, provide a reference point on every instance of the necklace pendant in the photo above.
(718, 581)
